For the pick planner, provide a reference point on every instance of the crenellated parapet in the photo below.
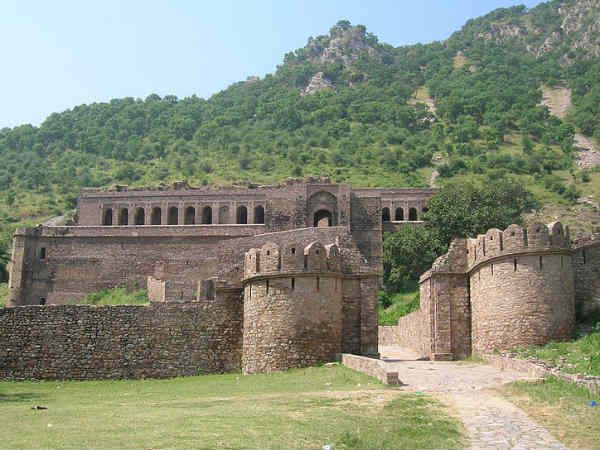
(516, 240)
(293, 296)
(507, 288)
(292, 259)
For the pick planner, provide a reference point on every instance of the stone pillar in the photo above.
(181, 213)
(250, 207)
(164, 213)
(198, 216)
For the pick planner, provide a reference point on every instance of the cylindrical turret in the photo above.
(292, 307)
(521, 287)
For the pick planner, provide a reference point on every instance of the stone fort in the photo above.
(264, 278)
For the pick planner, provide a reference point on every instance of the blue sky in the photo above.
(58, 54)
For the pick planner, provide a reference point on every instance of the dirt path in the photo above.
(491, 421)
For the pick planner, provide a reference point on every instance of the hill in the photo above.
(352, 108)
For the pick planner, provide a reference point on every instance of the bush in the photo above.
(116, 296)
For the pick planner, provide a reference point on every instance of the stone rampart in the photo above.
(412, 331)
(503, 289)
(88, 342)
(60, 265)
(521, 287)
(586, 262)
(292, 306)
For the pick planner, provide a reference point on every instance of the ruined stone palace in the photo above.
(264, 278)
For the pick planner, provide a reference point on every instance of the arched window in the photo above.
(242, 214)
(259, 214)
(399, 215)
(173, 215)
(190, 215)
(385, 215)
(412, 214)
(322, 218)
(108, 217)
(124, 216)
(207, 215)
(140, 216)
(155, 218)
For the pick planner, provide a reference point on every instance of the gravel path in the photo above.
(491, 421)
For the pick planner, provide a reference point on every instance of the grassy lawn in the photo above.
(562, 408)
(116, 296)
(305, 408)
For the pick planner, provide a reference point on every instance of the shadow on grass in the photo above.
(20, 397)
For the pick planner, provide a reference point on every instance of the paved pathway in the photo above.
(491, 421)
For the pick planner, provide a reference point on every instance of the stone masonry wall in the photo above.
(292, 306)
(291, 322)
(87, 342)
(503, 289)
(529, 305)
(62, 264)
(522, 287)
(413, 330)
(586, 262)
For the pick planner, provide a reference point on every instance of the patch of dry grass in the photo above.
(562, 408)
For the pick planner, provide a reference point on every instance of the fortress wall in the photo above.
(413, 330)
(87, 342)
(360, 279)
(80, 260)
(520, 300)
(289, 326)
(586, 261)
(522, 287)
(440, 328)
(300, 309)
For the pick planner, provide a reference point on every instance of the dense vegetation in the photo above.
(116, 296)
(456, 210)
(373, 129)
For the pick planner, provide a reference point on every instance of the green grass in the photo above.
(305, 408)
(3, 294)
(560, 407)
(400, 304)
(116, 296)
(577, 356)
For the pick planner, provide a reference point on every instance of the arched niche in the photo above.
(323, 209)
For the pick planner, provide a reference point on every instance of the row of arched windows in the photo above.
(189, 216)
(399, 214)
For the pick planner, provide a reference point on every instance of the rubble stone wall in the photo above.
(89, 342)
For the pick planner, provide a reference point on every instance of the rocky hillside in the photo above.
(352, 108)
(566, 30)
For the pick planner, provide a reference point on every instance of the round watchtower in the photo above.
(292, 306)
(521, 286)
